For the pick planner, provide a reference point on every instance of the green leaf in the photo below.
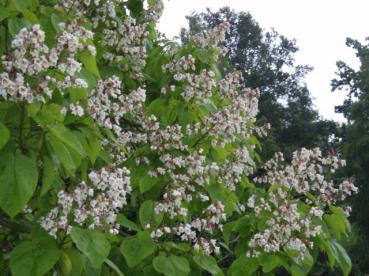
(341, 256)
(137, 248)
(77, 261)
(61, 155)
(208, 263)
(184, 247)
(297, 271)
(18, 180)
(55, 20)
(78, 94)
(172, 265)
(219, 154)
(15, 25)
(4, 135)
(68, 138)
(50, 176)
(238, 267)
(147, 182)
(89, 61)
(203, 55)
(125, 222)
(34, 258)
(92, 244)
(91, 143)
(148, 216)
(342, 216)
(4, 13)
(22, 8)
(90, 269)
(269, 262)
(3, 35)
(336, 224)
(65, 264)
(49, 114)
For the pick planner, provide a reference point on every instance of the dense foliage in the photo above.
(355, 145)
(122, 153)
(266, 60)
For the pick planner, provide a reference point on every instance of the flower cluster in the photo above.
(233, 170)
(233, 121)
(154, 11)
(287, 229)
(306, 173)
(95, 205)
(32, 57)
(214, 216)
(107, 104)
(126, 42)
(290, 228)
(212, 38)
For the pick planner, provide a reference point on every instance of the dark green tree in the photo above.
(355, 144)
(266, 60)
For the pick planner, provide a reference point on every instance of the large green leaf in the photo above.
(18, 180)
(137, 248)
(76, 260)
(92, 244)
(89, 61)
(172, 265)
(238, 267)
(50, 177)
(15, 24)
(342, 259)
(61, 155)
(68, 138)
(208, 263)
(34, 258)
(125, 222)
(148, 216)
(92, 143)
(22, 8)
(269, 262)
(4, 135)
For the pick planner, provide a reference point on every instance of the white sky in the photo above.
(320, 28)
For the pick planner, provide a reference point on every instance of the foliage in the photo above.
(355, 143)
(122, 153)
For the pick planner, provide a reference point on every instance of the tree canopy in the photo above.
(124, 153)
(355, 142)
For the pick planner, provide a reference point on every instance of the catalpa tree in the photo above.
(123, 153)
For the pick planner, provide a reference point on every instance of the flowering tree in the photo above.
(122, 153)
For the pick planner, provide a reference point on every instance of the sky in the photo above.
(320, 28)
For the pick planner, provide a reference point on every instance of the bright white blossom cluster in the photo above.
(126, 42)
(32, 57)
(94, 205)
(213, 217)
(306, 174)
(107, 104)
(212, 38)
(232, 122)
(289, 228)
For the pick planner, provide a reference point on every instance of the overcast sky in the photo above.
(320, 28)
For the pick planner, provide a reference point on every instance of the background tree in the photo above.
(266, 60)
(355, 143)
